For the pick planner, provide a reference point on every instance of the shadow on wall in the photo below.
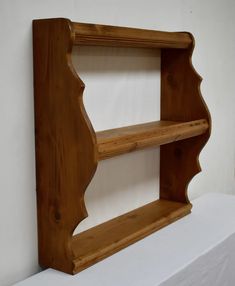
(122, 88)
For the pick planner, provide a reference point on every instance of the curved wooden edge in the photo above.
(205, 107)
(181, 99)
(66, 153)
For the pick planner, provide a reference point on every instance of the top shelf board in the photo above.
(103, 35)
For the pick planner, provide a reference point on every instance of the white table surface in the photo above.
(197, 250)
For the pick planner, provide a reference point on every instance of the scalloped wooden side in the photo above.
(66, 155)
(181, 100)
(67, 146)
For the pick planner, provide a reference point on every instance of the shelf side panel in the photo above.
(181, 100)
(66, 155)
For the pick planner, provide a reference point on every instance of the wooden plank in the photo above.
(181, 100)
(93, 34)
(105, 239)
(65, 142)
(127, 139)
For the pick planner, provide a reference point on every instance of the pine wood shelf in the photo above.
(99, 242)
(101, 35)
(127, 139)
(68, 149)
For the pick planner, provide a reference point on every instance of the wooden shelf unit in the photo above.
(68, 149)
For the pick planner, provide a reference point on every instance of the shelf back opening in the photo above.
(122, 85)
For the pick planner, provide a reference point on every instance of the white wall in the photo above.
(211, 22)
(122, 88)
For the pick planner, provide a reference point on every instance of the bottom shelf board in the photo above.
(107, 238)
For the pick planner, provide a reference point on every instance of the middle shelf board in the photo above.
(122, 140)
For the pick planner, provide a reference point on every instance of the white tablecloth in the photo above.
(197, 250)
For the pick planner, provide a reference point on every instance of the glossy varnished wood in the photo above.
(68, 149)
(181, 100)
(65, 143)
(131, 138)
(104, 35)
(99, 242)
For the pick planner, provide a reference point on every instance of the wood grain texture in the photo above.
(99, 242)
(66, 155)
(103, 35)
(118, 141)
(68, 149)
(181, 100)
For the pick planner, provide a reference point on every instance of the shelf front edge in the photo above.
(118, 233)
(118, 141)
(104, 35)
